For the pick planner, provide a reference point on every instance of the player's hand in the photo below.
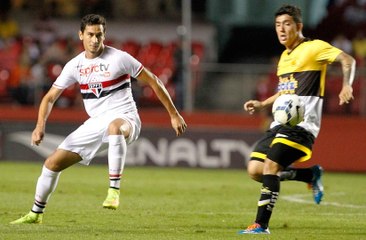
(252, 106)
(37, 136)
(346, 95)
(178, 124)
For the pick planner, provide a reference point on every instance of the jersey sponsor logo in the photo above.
(94, 68)
(287, 85)
(96, 88)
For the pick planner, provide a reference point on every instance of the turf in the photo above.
(177, 203)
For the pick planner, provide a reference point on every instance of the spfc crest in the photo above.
(96, 88)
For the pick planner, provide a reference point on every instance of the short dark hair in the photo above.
(92, 19)
(291, 10)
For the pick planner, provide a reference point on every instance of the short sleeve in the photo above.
(326, 52)
(66, 78)
(131, 65)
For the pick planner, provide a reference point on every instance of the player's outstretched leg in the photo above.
(31, 217)
(112, 200)
(312, 176)
(316, 183)
(46, 184)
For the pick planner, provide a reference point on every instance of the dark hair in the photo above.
(92, 19)
(291, 10)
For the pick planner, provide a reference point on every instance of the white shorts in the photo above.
(92, 136)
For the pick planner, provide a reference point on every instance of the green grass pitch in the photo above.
(177, 203)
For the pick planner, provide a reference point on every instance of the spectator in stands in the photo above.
(103, 7)
(266, 86)
(45, 30)
(54, 53)
(177, 78)
(342, 42)
(359, 47)
(162, 8)
(8, 27)
(355, 12)
(27, 78)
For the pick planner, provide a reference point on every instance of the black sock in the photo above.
(297, 174)
(269, 195)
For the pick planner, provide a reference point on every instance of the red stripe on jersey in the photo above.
(107, 83)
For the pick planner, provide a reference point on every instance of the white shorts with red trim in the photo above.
(92, 136)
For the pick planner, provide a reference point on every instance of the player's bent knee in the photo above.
(119, 127)
(114, 129)
(61, 159)
(255, 176)
(255, 170)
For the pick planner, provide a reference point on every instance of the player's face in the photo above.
(93, 38)
(288, 31)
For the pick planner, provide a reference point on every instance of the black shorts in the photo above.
(284, 145)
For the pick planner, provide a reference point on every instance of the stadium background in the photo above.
(234, 50)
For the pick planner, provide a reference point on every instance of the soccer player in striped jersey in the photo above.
(301, 70)
(104, 75)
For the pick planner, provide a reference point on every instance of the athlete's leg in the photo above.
(307, 175)
(255, 165)
(280, 155)
(118, 131)
(259, 154)
(269, 195)
(312, 176)
(255, 170)
(47, 182)
(297, 174)
(269, 192)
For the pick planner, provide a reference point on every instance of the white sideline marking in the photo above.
(299, 198)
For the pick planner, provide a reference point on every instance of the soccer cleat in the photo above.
(112, 200)
(316, 184)
(31, 217)
(255, 228)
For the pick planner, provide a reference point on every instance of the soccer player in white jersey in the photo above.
(104, 76)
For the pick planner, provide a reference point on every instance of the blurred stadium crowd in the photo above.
(30, 63)
(28, 67)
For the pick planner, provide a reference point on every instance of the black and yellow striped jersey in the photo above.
(302, 72)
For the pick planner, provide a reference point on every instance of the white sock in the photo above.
(46, 184)
(116, 159)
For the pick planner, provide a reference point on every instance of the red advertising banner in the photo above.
(341, 144)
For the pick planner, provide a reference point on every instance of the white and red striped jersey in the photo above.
(105, 82)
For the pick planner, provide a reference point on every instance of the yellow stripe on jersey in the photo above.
(303, 70)
(298, 146)
(258, 155)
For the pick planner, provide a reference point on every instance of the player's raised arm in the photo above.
(158, 87)
(44, 111)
